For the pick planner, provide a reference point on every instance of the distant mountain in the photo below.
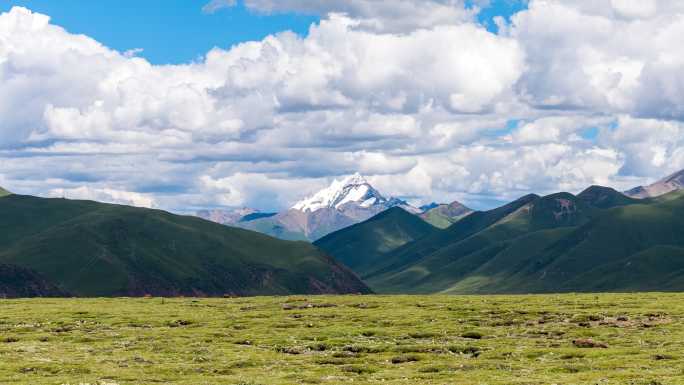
(344, 203)
(599, 240)
(353, 189)
(362, 246)
(227, 217)
(444, 215)
(671, 183)
(429, 207)
(255, 216)
(4, 192)
(93, 249)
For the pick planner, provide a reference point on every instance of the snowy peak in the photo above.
(353, 189)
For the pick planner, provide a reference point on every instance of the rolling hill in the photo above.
(4, 192)
(363, 246)
(599, 240)
(87, 248)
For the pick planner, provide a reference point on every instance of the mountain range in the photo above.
(344, 203)
(598, 240)
(56, 247)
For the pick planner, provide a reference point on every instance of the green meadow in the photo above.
(536, 339)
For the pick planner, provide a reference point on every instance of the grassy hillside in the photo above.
(17, 282)
(443, 216)
(437, 239)
(614, 339)
(94, 249)
(363, 246)
(480, 237)
(596, 241)
(4, 192)
(605, 197)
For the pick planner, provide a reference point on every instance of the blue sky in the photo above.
(169, 31)
(503, 8)
(177, 31)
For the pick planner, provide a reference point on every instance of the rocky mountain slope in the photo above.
(344, 203)
(232, 217)
(93, 249)
(668, 184)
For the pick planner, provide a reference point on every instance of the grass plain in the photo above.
(345, 339)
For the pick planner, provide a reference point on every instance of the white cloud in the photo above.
(133, 52)
(104, 195)
(555, 129)
(618, 56)
(414, 94)
(397, 16)
(215, 5)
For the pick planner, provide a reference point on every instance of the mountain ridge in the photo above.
(556, 243)
(362, 245)
(88, 248)
(670, 183)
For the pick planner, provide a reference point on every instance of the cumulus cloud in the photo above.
(430, 107)
(397, 16)
(615, 56)
(215, 5)
(104, 195)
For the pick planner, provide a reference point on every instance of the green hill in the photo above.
(94, 249)
(4, 192)
(437, 239)
(363, 246)
(605, 197)
(443, 216)
(599, 240)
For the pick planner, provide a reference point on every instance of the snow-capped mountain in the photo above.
(345, 202)
(352, 193)
(352, 189)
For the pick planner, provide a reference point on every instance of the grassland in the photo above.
(337, 340)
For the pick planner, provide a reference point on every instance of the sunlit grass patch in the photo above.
(469, 340)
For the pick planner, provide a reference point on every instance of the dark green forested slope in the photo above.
(599, 240)
(363, 246)
(94, 249)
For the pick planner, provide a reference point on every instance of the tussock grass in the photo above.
(340, 339)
